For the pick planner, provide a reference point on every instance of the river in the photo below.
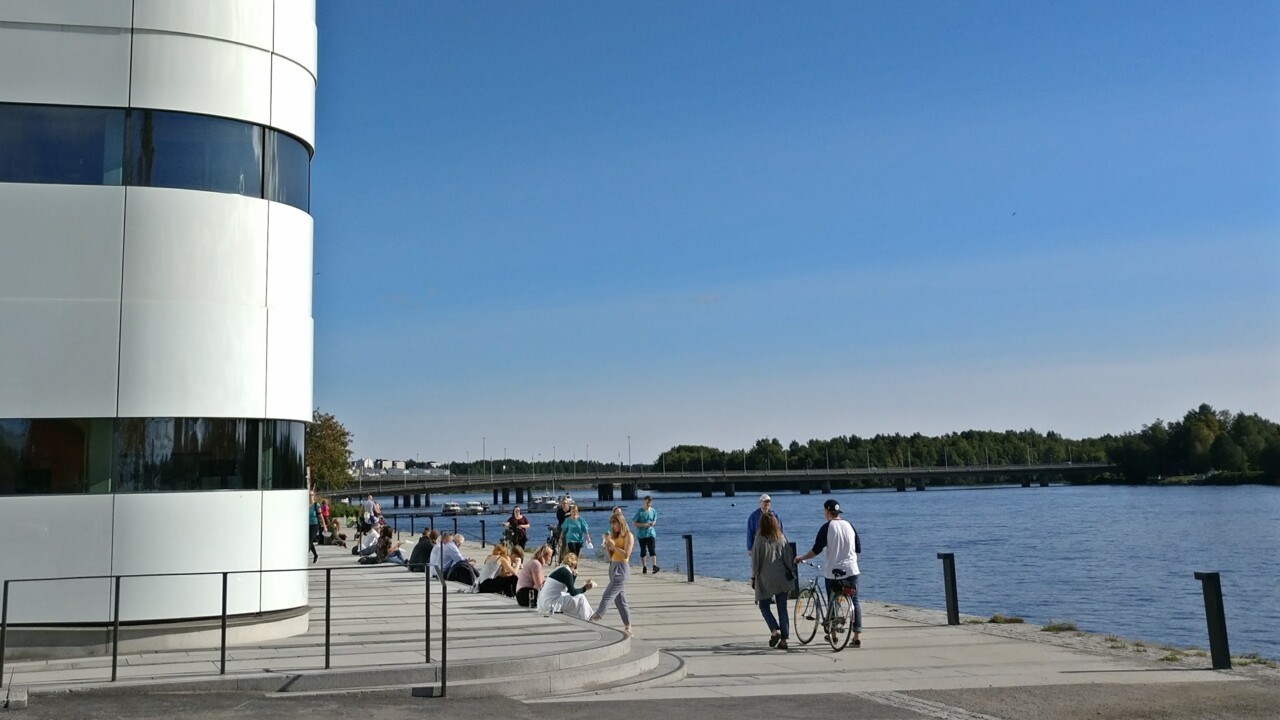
(1111, 559)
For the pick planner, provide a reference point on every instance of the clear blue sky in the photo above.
(561, 224)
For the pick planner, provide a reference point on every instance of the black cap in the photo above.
(831, 506)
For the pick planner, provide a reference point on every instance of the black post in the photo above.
(411, 518)
(444, 633)
(328, 613)
(4, 627)
(949, 582)
(1215, 615)
(432, 520)
(482, 540)
(115, 633)
(455, 526)
(426, 609)
(795, 576)
(688, 554)
(222, 660)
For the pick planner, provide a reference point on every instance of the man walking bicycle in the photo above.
(840, 541)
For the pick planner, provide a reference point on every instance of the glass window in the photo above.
(169, 454)
(284, 464)
(288, 170)
(50, 456)
(57, 144)
(195, 152)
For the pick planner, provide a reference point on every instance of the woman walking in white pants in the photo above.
(618, 544)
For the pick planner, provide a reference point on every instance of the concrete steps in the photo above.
(670, 669)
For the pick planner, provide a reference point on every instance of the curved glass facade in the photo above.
(99, 455)
(152, 148)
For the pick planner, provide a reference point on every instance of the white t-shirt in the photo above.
(838, 539)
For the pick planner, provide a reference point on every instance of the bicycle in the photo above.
(815, 607)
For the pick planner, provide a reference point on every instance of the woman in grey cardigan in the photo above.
(772, 575)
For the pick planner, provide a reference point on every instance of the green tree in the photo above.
(328, 452)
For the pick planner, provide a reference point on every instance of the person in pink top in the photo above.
(530, 578)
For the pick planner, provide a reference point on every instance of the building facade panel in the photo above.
(284, 515)
(295, 30)
(192, 360)
(293, 99)
(50, 253)
(195, 247)
(93, 13)
(248, 22)
(289, 366)
(46, 552)
(158, 521)
(64, 65)
(60, 358)
(201, 75)
(289, 260)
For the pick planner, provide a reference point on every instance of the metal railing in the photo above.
(225, 574)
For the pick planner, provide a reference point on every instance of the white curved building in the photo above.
(155, 302)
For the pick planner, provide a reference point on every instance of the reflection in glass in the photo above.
(186, 454)
(288, 171)
(284, 464)
(194, 152)
(57, 144)
(48, 456)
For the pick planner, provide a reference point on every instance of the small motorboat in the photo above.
(474, 507)
(451, 508)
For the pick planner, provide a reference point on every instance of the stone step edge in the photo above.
(671, 669)
(611, 646)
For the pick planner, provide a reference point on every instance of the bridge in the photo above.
(411, 491)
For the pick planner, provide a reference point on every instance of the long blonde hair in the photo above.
(616, 521)
(769, 527)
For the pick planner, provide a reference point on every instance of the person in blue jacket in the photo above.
(753, 522)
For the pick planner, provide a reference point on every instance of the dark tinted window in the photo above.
(55, 144)
(288, 170)
(177, 150)
(49, 456)
(284, 463)
(186, 454)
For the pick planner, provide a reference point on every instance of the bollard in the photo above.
(1216, 617)
(455, 526)
(482, 538)
(688, 554)
(795, 576)
(411, 519)
(426, 610)
(328, 614)
(949, 581)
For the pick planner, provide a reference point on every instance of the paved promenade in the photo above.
(698, 648)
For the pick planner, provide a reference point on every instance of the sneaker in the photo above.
(782, 645)
(655, 569)
(644, 570)
(855, 643)
(774, 640)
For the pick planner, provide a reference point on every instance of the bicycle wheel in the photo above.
(840, 629)
(804, 616)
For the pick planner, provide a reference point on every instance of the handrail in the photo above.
(222, 665)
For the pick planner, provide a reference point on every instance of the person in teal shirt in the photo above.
(644, 520)
(574, 531)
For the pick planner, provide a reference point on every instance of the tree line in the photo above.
(1203, 441)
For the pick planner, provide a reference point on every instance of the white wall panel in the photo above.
(102, 13)
(190, 246)
(293, 99)
(242, 21)
(59, 358)
(289, 260)
(58, 535)
(284, 545)
(289, 366)
(50, 253)
(65, 66)
(296, 32)
(187, 532)
(192, 360)
(192, 74)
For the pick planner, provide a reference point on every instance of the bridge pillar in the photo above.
(706, 490)
(1026, 482)
(900, 484)
(826, 487)
(604, 491)
(1044, 481)
(804, 488)
(417, 501)
(395, 501)
(426, 501)
(730, 490)
(519, 496)
(506, 496)
(630, 491)
(922, 483)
